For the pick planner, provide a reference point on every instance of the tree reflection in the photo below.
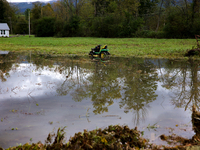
(104, 89)
(132, 81)
(6, 62)
(139, 87)
(101, 86)
(182, 79)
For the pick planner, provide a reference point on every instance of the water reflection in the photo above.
(183, 80)
(81, 93)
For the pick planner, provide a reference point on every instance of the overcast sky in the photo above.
(28, 1)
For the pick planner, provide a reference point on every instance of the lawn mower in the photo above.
(99, 52)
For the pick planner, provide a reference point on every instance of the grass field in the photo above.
(142, 47)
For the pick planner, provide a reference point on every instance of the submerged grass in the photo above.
(142, 47)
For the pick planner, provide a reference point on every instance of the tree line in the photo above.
(107, 18)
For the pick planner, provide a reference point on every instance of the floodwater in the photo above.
(39, 94)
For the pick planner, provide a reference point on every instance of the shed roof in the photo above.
(4, 26)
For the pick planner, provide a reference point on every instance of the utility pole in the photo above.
(29, 24)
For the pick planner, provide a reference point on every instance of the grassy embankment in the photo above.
(142, 47)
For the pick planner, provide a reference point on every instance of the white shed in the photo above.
(4, 30)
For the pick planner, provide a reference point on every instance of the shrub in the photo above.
(71, 27)
(45, 27)
(22, 26)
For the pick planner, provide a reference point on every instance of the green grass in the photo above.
(142, 47)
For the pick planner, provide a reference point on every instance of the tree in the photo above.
(195, 8)
(36, 11)
(47, 11)
(130, 25)
(26, 13)
(35, 15)
(146, 7)
(45, 27)
(100, 7)
(182, 19)
(22, 26)
(86, 15)
(72, 6)
(8, 13)
(86, 11)
(130, 6)
(59, 11)
(176, 26)
(2, 11)
(158, 23)
(71, 27)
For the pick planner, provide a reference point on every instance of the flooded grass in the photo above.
(126, 47)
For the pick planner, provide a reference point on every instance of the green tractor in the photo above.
(99, 52)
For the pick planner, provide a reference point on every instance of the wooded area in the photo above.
(106, 18)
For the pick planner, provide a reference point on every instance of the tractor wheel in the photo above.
(104, 55)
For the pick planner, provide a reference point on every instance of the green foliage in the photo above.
(177, 26)
(130, 25)
(110, 18)
(150, 34)
(195, 27)
(100, 7)
(8, 13)
(112, 7)
(107, 26)
(58, 28)
(35, 16)
(21, 26)
(71, 27)
(36, 11)
(180, 24)
(2, 11)
(147, 6)
(45, 27)
(115, 26)
(27, 14)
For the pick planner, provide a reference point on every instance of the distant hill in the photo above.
(23, 5)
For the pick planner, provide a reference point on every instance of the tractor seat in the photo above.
(97, 48)
(105, 47)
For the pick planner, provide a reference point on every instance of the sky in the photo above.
(28, 1)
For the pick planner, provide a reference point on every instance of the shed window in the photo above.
(3, 32)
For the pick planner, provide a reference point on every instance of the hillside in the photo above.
(25, 5)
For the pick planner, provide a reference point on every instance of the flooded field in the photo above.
(40, 93)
